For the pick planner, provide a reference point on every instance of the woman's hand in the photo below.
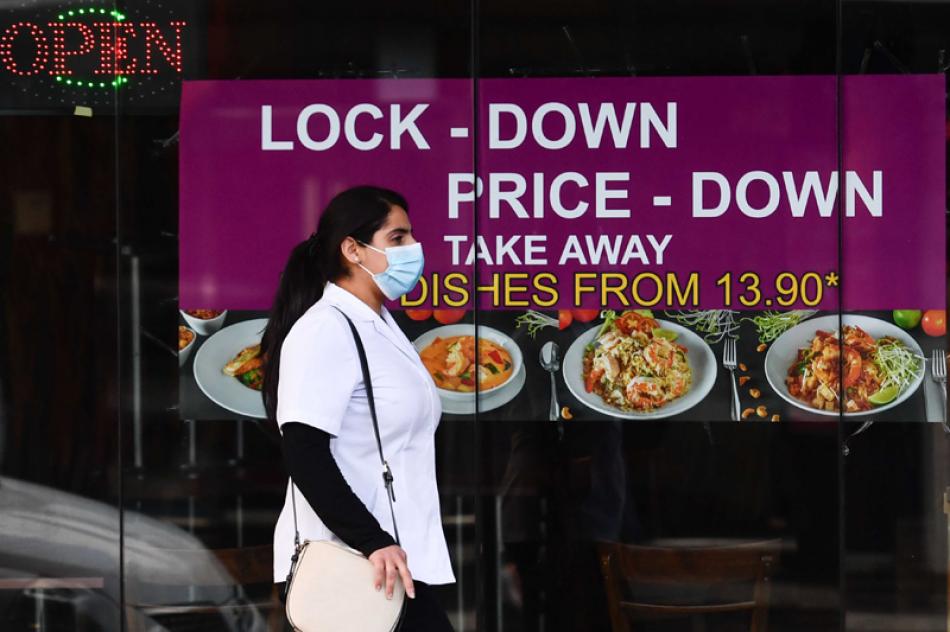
(389, 561)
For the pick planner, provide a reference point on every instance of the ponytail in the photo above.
(357, 212)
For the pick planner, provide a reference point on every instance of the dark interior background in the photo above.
(88, 379)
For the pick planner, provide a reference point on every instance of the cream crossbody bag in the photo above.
(330, 585)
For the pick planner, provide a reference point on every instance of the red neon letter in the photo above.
(153, 36)
(121, 52)
(106, 52)
(6, 48)
(60, 54)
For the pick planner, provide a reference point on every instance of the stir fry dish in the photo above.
(864, 371)
(452, 363)
(634, 364)
(248, 367)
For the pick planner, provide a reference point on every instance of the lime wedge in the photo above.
(664, 333)
(884, 396)
(644, 312)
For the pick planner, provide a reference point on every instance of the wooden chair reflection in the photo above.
(224, 568)
(703, 569)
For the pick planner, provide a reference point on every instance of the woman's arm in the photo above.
(315, 473)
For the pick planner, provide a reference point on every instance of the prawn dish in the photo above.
(635, 365)
(850, 365)
(452, 363)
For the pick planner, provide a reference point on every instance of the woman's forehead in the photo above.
(397, 219)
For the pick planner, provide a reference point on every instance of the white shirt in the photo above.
(321, 385)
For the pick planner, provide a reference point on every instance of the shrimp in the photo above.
(468, 348)
(678, 387)
(592, 379)
(643, 393)
(609, 363)
(853, 365)
(858, 339)
(827, 365)
(659, 355)
(609, 340)
(456, 361)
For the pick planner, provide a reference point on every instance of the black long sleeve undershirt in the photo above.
(318, 477)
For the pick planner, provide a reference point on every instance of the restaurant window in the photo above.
(699, 248)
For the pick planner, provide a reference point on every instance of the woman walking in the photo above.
(361, 254)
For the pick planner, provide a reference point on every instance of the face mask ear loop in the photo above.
(371, 247)
(360, 264)
(365, 269)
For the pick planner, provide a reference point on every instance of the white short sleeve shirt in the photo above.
(321, 385)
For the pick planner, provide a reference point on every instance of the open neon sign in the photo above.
(92, 47)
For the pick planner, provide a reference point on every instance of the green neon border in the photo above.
(118, 80)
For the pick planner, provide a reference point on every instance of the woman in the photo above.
(362, 253)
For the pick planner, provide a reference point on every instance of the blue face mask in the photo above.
(404, 267)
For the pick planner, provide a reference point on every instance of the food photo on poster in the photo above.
(613, 248)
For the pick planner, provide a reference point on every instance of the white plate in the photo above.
(698, 354)
(784, 351)
(467, 400)
(488, 400)
(223, 390)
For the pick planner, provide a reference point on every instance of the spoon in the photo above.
(551, 363)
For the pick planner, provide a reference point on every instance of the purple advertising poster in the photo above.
(714, 204)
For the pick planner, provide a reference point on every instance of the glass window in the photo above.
(682, 303)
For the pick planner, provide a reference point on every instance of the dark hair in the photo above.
(357, 212)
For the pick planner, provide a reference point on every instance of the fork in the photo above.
(729, 362)
(938, 371)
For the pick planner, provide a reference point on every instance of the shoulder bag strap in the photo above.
(387, 473)
(368, 382)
